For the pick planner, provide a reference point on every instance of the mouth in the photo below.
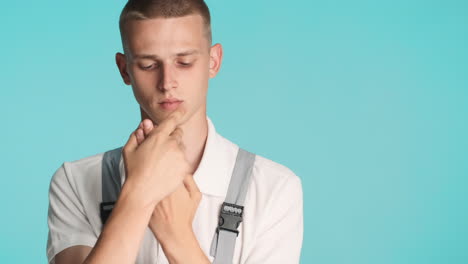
(169, 100)
(170, 104)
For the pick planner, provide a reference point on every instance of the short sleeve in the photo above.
(67, 222)
(280, 234)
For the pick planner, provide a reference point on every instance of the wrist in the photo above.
(179, 238)
(183, 249)
(133, 194)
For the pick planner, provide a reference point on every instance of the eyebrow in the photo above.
(154, 56)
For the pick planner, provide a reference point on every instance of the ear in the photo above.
(121, 62)
(216, 57)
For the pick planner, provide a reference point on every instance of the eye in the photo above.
(148, 67)
(184, 64)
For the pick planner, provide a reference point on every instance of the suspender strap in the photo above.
(110, 182)
(224, 240)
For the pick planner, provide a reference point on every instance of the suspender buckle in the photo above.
(230, 217)
(105, 209)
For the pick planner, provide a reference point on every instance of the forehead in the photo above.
(165, 35)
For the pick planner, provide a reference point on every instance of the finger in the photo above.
(171, 122)
(139, 136)
(147, 126)
(131, 142)
(191, 186)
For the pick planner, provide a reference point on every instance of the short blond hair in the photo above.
(147, 9)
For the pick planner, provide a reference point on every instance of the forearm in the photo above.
(122, 234)
(184, 250)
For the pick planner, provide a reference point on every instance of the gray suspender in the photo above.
(222, 246)
(110, 181)
(224, 240)
(111, 175)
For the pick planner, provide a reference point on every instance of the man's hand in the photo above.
(171, 221)
(154, 169)
(157, 166)
(172, 218)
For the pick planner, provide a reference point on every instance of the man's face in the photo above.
(169, 58)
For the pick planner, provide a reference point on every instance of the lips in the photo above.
(170, 103)
(170, 100)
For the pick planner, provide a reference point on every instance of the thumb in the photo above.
(191, 186)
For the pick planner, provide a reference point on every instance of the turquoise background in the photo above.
(366, 101)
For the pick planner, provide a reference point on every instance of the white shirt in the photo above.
(272, 226)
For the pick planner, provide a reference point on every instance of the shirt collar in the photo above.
(216, 165)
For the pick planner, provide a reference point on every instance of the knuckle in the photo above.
(125, 149)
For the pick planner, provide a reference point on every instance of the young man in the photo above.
(175, 169)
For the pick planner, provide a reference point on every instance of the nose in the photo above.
(167, 80)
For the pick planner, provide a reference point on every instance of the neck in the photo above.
(195, 133)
